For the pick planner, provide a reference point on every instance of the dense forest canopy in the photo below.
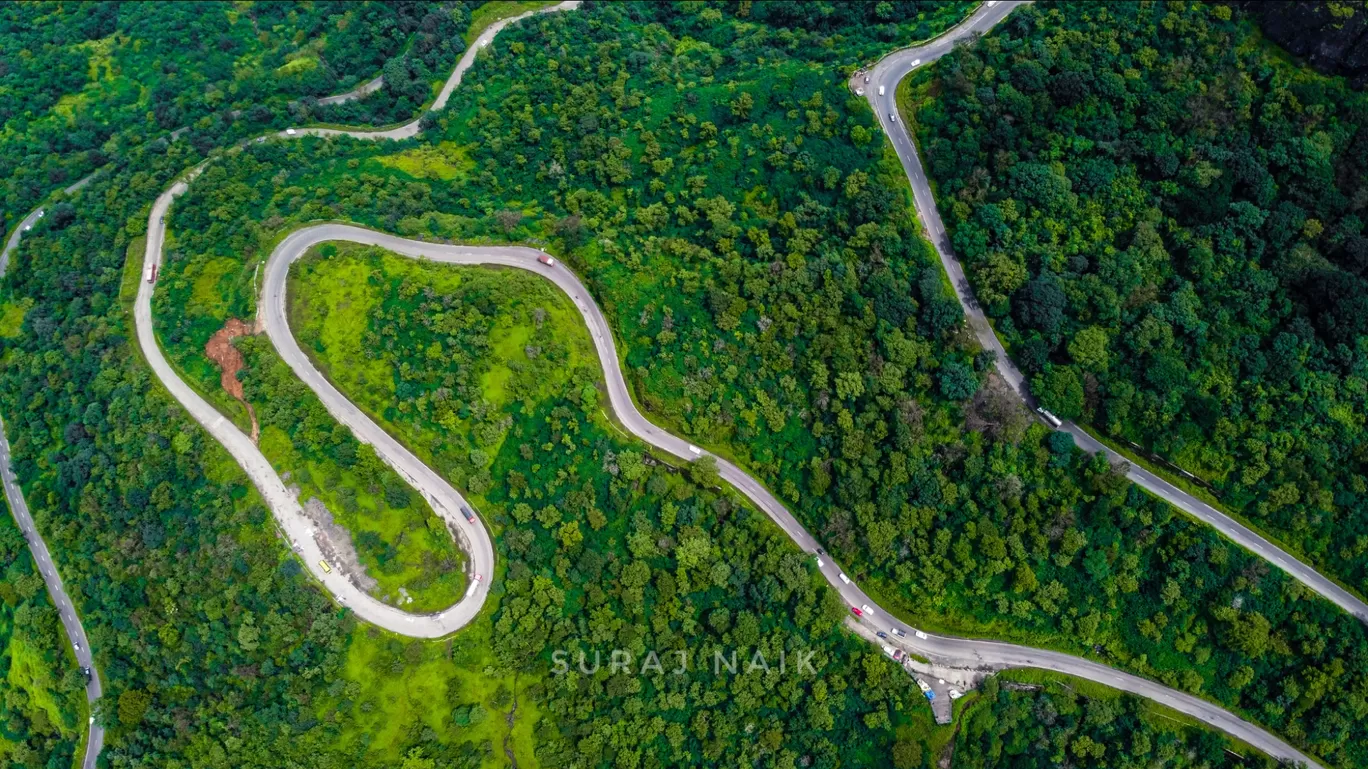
(735, 211)
(1167, 222)
(81, 82)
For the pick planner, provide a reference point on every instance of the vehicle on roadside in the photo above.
(955, 694)
(898, 655)
(922, 685)
(820, 563)
(859, 91)
(546, 260)
(844, 578)
(856, 611)
(469, 516)
(888, 650)
(866, 78)
(325, 567)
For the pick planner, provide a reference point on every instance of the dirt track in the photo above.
(221, 351)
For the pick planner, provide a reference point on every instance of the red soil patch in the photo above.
(220, 350)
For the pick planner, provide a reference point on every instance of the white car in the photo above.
(41, 214)
(844, 578)
(859, 92)
(955, 694)
(920, 635)
(820, 563)
(695, 450)
(881, 90)
(916, 62)
(868, 611)
(290, 132)
(893, 116)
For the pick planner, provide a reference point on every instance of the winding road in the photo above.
(446, 500)
(886, 75)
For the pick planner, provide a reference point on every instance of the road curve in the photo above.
(887, 74)
(961, 652)
(445, 500)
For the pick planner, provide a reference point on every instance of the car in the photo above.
(866, 78)
(820, 551)
(484, 44)
(476, 578)
(881, 90)
(893, 116)
(921, 635)
(856, 611)
(881, 634)
(695, 450)
(916, 62)
(844, 578)
(290, 132)
(41, 214)
(546, 260)
(261, 139)
(77, 644)
(865, 608)
(469, 516)
(859, 92)
(899, 633)
(897, 655)
(28, 227)
(955, 694)
(820, 563)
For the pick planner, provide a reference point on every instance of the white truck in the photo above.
(1054, 421)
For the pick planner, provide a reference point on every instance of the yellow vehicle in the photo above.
(326, 568)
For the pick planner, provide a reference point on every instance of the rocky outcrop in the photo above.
(1323, 33)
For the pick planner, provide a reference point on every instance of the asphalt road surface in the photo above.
(886, 74)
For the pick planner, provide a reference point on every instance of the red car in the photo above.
(856, 611)
(546, 260)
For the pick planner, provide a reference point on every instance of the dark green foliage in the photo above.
(1025, 726)
(81, 83)
(1177, 218)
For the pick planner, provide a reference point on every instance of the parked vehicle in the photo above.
(856, 611)
(955, 694)
(325, 567)
(922, 685)
(820, 563)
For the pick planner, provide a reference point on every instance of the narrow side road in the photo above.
(886, 75)
(71, 622)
